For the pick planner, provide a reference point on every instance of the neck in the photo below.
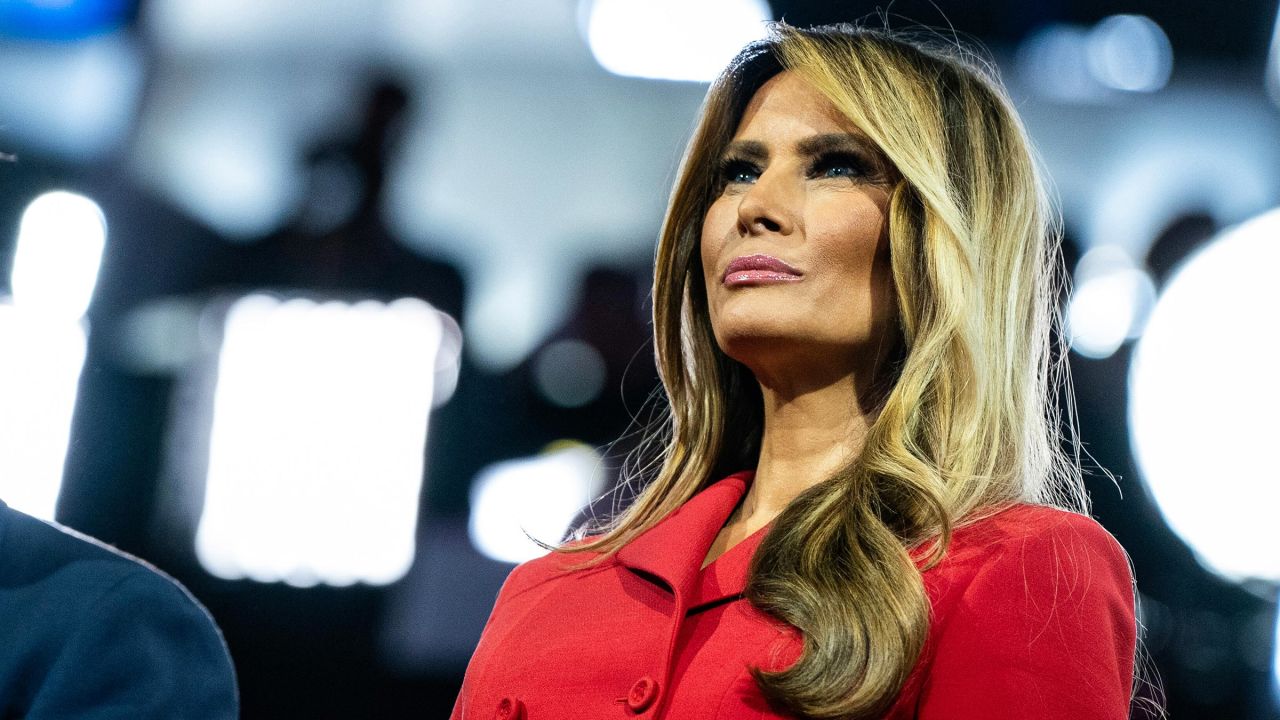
(809, 433)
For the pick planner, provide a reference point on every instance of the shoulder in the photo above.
(90, 619)
(1027, 558)
(546, 570)
(1032, 533)
(33, 550)
(1035, 540)
(1034, 607)
(54, 560)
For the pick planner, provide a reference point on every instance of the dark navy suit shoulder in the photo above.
(89, 632)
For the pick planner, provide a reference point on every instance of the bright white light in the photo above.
(39, 373)
(55, 266)
(1102, 311)
(1203, 398)
(1110, 304)
(1130, 52)
(672, 39)
(539, 495)
(569, 373)
(316, 448)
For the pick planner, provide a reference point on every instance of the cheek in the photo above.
(854, 239)
(855, 245)
(714, 231)
(882, 285)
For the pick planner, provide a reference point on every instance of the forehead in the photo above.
(788, 105)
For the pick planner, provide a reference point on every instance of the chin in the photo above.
(759, 341)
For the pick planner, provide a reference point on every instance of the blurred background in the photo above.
(316, 304)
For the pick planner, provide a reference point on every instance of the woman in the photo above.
(852, 312)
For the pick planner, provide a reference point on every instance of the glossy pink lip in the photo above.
(758, 270)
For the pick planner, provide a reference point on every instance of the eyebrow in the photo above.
(752, 150)
(756, 151)
(819, 144)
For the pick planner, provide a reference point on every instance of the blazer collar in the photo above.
(673, 550)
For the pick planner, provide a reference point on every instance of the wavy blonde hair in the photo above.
(970, 423)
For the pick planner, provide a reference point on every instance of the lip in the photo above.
(759, 269)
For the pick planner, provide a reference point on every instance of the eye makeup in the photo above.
(829, 156)
(832, 152)
(737, 170)
(838, 164)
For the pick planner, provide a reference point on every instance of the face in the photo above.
(795, 249)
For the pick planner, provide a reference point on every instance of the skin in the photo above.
(815, 345)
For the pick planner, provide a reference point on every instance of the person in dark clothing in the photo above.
(88, 632)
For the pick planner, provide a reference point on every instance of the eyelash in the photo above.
(832, 160)
(732, 168)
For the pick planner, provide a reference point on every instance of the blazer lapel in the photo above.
(673, 550)
(727, 576)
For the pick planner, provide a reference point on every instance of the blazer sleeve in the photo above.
(1044, 631)
(144, 649)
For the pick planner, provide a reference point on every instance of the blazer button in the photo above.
(509, 709)
(642, 694)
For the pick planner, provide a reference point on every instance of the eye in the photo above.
(734, 171)
(839, 165)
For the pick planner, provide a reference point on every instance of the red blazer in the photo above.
(1032, 619)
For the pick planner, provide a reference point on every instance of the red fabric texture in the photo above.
(1032, 619)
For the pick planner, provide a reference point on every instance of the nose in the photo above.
(769, 206)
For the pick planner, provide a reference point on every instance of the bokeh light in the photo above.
(1202, 399)
(569, 373)
(1110, 302)
(516, 502)
(55, 269)
(1130, 53)
(670, 39)
(316, 450)
(60, 243)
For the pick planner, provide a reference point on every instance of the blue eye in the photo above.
(839, 165)
(735, 171)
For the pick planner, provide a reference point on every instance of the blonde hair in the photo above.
(970, 423)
